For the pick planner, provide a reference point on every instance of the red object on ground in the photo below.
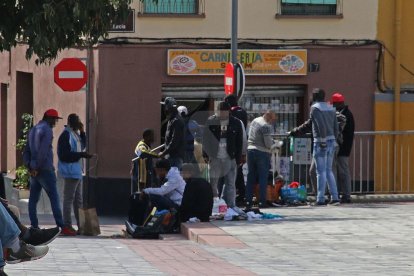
(294, 185)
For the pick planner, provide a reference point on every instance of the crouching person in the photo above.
(198, 195)
(166, 197)
(170, 194)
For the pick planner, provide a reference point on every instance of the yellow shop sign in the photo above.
(255, 62)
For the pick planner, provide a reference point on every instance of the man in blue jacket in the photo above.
(38, 158)
(71, 146)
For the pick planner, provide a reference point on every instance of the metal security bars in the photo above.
(175, 7)
(381, 162)
(309, 7)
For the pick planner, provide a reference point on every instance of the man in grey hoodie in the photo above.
(325, 131)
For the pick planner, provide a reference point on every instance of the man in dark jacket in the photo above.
(38, 158)
(198, 195)
(241, 114)
(174, 135)
(344, 175)
(222, 149)
(192, 131)
(71, 146)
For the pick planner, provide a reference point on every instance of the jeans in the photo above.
(45, 179)
(8, 231)
(258, 163)
(344, 176)
(162, 202)
(72, 195)
(323, 160)
(226, 168)
(312, 171)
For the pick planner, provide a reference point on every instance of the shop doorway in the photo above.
(24, 104)
(287, 101)
(3, 127)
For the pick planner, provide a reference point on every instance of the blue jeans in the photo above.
(323, 160)
(8, 231)
(45, 179)
(258, 163)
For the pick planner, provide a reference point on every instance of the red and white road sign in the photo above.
(71, 74)
(229, 79)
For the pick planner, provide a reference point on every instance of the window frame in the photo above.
(338, 14)
(200, 10)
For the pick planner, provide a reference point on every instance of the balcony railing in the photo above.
(309, 9)
(172, 7)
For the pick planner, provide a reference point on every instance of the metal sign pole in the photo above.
(234, 22)
(87, 125)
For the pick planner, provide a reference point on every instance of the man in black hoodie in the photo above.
(342, 164)
(241, 114)
(174, 135)
(222, 149)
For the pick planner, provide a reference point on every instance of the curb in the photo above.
(377, 198)
(209, 234)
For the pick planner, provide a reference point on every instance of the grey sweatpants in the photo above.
(344, 176)
(72, 195)
(226, 168)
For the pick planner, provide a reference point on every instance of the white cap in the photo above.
(182, 109)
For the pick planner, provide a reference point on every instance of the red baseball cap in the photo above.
(337, 98)
(52, 113)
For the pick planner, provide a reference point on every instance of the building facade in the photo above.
(178, 48)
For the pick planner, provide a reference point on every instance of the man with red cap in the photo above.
(342, 164)
(38, 157)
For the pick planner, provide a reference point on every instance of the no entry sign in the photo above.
(71, 74)
(229, 79)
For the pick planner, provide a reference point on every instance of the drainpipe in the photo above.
(397, 63)
(397, 88)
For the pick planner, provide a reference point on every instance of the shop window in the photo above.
(172, 7)
(310, 7)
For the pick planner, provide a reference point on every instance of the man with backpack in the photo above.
(347, 134)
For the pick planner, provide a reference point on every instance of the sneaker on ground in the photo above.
(68, 231)
(345, 200)
(318, 203)
(26, 253)
(41, 236)
(334, 202)
(2, 273)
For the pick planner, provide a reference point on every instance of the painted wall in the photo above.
(45, 95)
(257, 20)
(131, 77)
(386, 34)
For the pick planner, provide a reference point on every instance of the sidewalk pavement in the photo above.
(353, 239)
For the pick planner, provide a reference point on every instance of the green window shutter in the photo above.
(171, 6)
(315, 2)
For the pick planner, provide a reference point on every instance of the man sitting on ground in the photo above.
(198, 195)
(166, 197)
(170, 194)
(16, 250)
(33, 236)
